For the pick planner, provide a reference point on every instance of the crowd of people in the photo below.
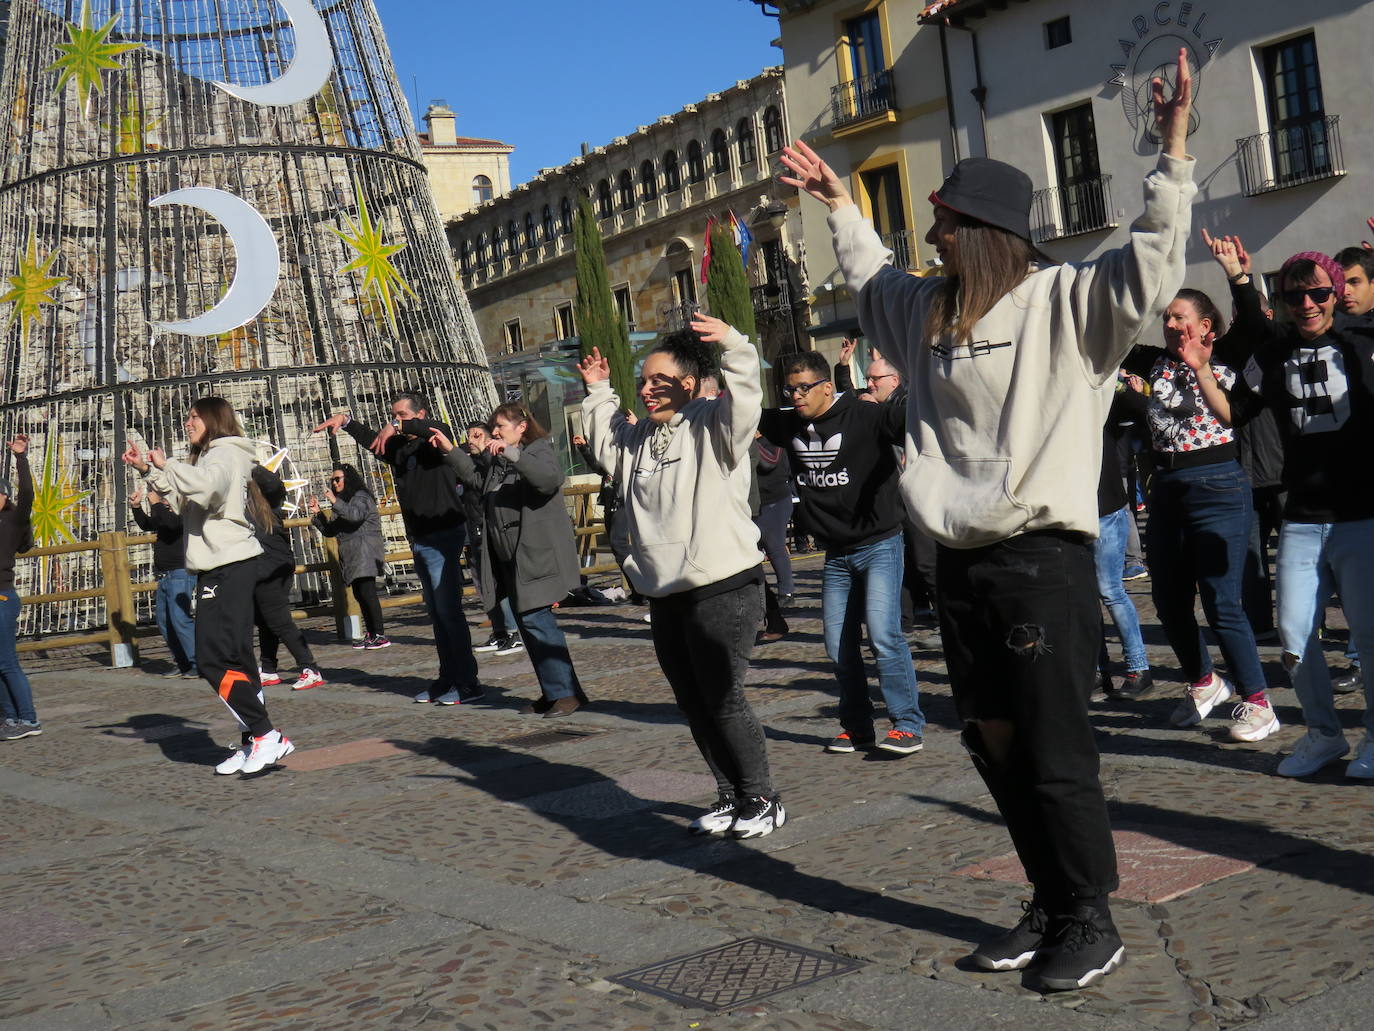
(963, 475)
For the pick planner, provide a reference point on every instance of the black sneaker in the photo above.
(511, 644)
(1081, 949)
(472, 693)
(16, 730)
(494, 642)
(362, 642)
(377, 641)
(1349, 682)
(716, 820)
(1135, 685)
(757, 816)
(1102, 686)
(1015, 949)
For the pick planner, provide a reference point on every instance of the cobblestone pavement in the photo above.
(468, 867)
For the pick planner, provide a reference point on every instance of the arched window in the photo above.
(481, 190)
(513, 238)
(605, 207)
(672, 175)
(720, 153)
(648, 181)
(565, 216)
(465, 257)
(498, 250)
(744, 136)
(531, 237)
(479, 252)
(696, 166)
(627, 190)
(773, 138)
(546, 221)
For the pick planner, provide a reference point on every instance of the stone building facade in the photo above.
(464, 171)
(654, 190)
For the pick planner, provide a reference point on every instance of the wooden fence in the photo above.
(118, 590)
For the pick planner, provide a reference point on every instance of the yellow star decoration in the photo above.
(29, 287)
(380, 277)
(52, 499)
(86, 55)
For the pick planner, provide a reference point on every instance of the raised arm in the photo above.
(609, 433)
(24, 500)
(457, 459)
(734, 418)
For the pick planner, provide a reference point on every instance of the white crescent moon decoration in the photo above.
(309, 69)
(257, 253)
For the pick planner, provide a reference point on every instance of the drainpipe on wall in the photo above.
(949, 94)
(979, 91)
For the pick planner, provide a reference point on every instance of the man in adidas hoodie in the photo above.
(847, 483)
(1011, 366)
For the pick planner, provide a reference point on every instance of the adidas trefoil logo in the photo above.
(817, 453)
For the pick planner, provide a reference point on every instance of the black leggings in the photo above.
(224, 642)
(365, 591)
(272, 611)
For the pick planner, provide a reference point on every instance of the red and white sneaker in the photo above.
(309, 678)
(268, 679)
(268, 750)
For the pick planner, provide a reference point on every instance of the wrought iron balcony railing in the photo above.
(673, 317)
(902, 243)
(1082, 207)
(863, 98)
(1291, 156)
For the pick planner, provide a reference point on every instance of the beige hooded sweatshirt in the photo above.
(211, 497)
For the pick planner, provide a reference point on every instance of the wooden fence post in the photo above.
(348, 617)
(119, 599)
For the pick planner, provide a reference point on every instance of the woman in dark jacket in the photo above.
(355, 522)
(528, 550)
(16, 534)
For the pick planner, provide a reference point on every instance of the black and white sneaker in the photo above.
(716, 820)
(1081, 949)
(494, 642)
(1015, 949)
(511, 644)
(757, 816)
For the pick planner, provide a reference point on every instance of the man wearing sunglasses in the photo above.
(1317, 374)
(846, 474)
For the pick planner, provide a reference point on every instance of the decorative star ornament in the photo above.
(279, 462)
(380, 278)
(87, 55)
(53, 498)
(30, 287)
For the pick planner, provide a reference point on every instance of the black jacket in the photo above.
(275, 540)
(426, 486)
(845, 469)
(16, 527)
(169, 550)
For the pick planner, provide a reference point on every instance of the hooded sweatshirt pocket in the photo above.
(963, 502)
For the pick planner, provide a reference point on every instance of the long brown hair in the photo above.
(220, 421)
(992, 263)
(514, 413)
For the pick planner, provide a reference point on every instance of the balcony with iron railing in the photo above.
(673, 317)
(1291, 156)
(902, 244)
(1072, 209)
(859, 100)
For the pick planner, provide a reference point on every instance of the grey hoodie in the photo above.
(211, 497)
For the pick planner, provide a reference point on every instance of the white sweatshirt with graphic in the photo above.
(1004, 433)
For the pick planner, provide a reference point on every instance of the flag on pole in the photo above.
(706, 250)
(743, 238)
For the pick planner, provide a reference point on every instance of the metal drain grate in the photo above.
(544, 738)
(737, 974)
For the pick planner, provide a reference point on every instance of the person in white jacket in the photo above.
(1010, 366)
(694, 548)
(210, 491)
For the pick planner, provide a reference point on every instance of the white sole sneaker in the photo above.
(1313, 751)
(233, 764)
(1253, 722)
(765, 823)
(1199, 701)
(267, 753)
(1091, 977)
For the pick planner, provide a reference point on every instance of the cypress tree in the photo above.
(727, 289)
(598, 322)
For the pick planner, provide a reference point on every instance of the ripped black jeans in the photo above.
(1021, 629)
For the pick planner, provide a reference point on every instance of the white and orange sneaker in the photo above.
(268, 750)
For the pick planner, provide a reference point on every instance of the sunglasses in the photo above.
(802, 389)
(1319, 295)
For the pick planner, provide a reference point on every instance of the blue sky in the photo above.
(546, 75)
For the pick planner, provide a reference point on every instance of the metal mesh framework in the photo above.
(91, 267)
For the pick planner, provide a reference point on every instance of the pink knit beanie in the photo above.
(1322, 261)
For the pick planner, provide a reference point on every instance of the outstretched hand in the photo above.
(812, 175)
(847, 347)
(439, 439)
(1171, 113)
(132, 457)
(594, 367)
(333, 424)
(711, 330)
(1224, 251)
(1194, 349)
(19, 445)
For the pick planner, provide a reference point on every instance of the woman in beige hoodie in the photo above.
(211, 490)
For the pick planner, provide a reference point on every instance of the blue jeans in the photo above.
(17, 697)
(865, 586)
(174, 593)
(441, 582)
(1196, 542)
(1314, 560)
(548, 652)
(1109, 554)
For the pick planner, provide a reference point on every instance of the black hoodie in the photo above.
(426, 486)
(845, 469)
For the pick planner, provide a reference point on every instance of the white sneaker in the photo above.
(422, 697)
(1313, 751)
(268, 679)
(267, 750)
(309, 678)
(449, 697)
(1199, 700)
(758, 816)
(716, 820)
(1253, 722)
(1362, 766)
(234, 763)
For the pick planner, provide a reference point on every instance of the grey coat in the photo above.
(524, 517)
(358, 527)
